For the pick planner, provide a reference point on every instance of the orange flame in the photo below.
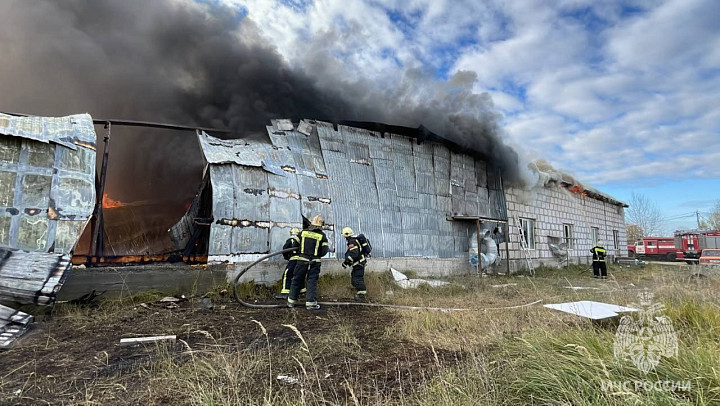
(110, 203)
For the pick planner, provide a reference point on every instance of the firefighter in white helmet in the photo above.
(292, 256)
(355, 258)
(313, 246)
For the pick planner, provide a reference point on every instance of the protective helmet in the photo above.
(347, 232)
(294, 231)
(317, 221)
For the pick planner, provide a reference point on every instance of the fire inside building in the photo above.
(425, 202)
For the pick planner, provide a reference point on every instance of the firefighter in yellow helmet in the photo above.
(313, 246)
(292, 256)
(599, 265)
(354, 258)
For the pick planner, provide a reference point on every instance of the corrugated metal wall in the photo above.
(395, 191)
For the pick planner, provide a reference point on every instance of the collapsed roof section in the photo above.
(394, 189)
(47, 194)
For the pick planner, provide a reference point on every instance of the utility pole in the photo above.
(697, 215)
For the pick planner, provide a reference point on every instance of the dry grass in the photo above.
(483, 356)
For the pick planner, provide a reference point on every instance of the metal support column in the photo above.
(97, 246)
(479, 247)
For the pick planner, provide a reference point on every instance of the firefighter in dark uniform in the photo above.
(354, 258)
(313, 246)
(599, 265)
(292, 256)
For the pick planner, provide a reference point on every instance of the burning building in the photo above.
(47, 195)
(420, 198)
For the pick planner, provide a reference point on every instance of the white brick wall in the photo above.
(553, 206)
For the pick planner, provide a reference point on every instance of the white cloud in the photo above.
(609, 90)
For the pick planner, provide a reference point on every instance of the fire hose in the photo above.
(277, 306)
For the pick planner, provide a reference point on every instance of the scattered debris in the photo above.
(591, 310)
(13, 324)
(287, 379)
(504, 286)
(142, 340)
(169, 299)
(404, 282)
(207, 303)
(87, 299)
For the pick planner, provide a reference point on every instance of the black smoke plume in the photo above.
(205, 64)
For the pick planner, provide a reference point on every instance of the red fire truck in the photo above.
(654, 248)
(692, 243)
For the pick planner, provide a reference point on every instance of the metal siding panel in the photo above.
(384, 172)
(413, 245)
(218, 151)
(251, 193)
(483, 202)
(497, 209)
(393, 245)
(220, 239)
(444, 204)
(285, 210)
(481, 173)
(277, 137)
(70, 131)
(338, 166)
(223, 191)
(471, 203)
(446, 246)
(249, 240)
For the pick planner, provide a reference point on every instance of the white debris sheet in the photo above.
(591, 310)
(404, 282)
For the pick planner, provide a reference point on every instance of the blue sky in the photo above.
(625, 95)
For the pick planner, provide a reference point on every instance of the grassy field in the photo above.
(378, 356)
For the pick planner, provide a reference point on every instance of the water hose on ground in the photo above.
(284, 305)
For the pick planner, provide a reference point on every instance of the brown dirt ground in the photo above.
(78, 359)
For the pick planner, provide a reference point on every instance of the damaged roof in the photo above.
(390, 187)
(47, 194)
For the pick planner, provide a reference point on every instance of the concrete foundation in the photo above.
(181, 278)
